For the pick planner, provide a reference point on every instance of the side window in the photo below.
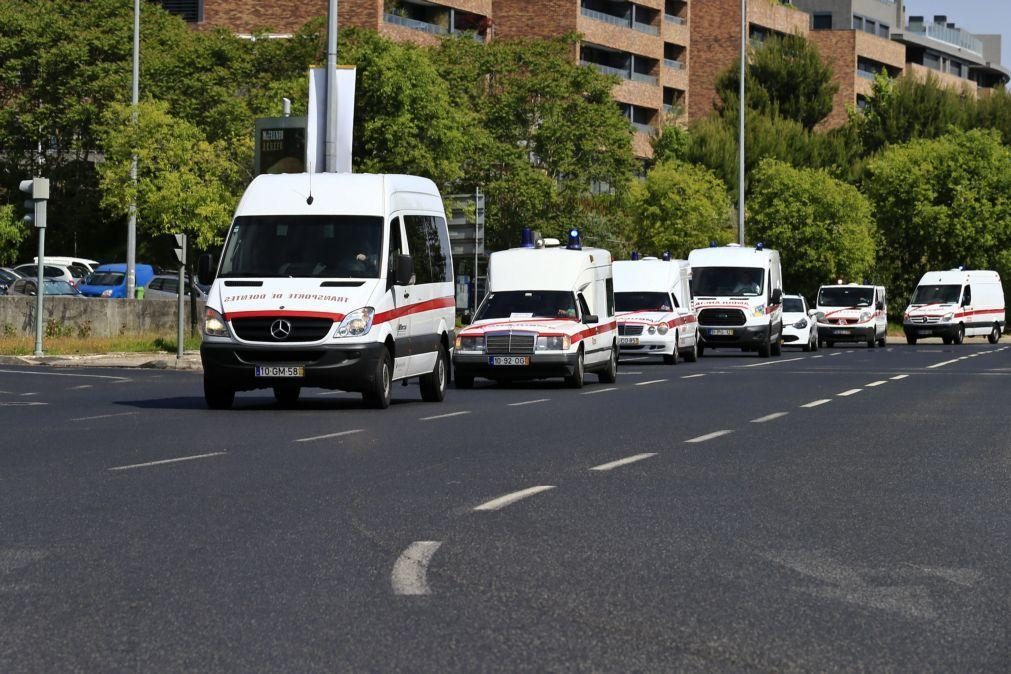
(170, 285)
(609, 292)
(674, 301)
(155, 284)
(967, 297)
(584, 309)
(417, 229)
(438, 240)
(394, 247)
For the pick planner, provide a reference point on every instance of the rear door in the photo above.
(433, 267)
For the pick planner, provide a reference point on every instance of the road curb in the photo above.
(119, 360)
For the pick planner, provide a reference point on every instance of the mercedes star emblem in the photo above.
(280, 329)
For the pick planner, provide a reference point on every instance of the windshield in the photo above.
(306, 246)
(54, 287)
(936, 294)
(105, 278)
(642, 302)
(845, 296)
(793, 305)
(727, 281)
(528, 304)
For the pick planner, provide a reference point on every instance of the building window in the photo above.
(821, 21)
(189, 10)
(870, 26)
(884, 30)
(858, 22)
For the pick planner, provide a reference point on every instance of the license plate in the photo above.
(279, 371)
(628, 341)
(721, 333)
(842, 332)
(508, 360)
(925, 332)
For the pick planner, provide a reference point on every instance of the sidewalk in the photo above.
(158, 361)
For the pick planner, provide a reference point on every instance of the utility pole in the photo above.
(38, 191)
(330, 141)
(131, 226)
(181, 317)
(740, 136)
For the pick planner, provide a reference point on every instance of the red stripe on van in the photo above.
(429, 305)
(595, 330)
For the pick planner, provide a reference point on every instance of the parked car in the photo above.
(7, 277)
(166, 287)
(53, 271)
(83, 262)
(52, 286)
(109, 280)
(800, 327)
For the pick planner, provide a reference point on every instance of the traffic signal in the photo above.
(180, 249)
(35, 207)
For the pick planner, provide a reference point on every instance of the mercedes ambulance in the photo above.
(652, 300)
(852, 313)
(335, 281)
(737, 296)
(954, 305)
(549, 312)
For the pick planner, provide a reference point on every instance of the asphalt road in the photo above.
(843, 510)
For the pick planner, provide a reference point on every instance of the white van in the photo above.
(738, 295)
(954, 305)
(653, 305)
(336, 281)
(549, 312)
(852, 313)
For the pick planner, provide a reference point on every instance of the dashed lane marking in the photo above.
(818, 356)
(899, 376)
(105, 416)
(28, 394)
(445, 416)
(851, 392)
(79, 388)
(651, 381)
(529, 402)
(769, 417)
(693, 376)
(775, 362)
(709, 436)
(22, 403)
(875, 383)
(509, 499)
(599, 390)
(816, 403)
(327, 436)
(837, 353)
(623, 462)
(410, 571)
(167, 461)
(947, 362)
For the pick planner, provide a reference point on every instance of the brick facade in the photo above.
(249, 16)
(841, 49)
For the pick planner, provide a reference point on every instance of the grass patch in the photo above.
(78, 344)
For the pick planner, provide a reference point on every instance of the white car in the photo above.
(799, 326)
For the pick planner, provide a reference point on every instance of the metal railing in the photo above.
(415, 24)
(645, 28)
(642, 128)
(605, 17)
(674, 64)
(866, 74)
(671, 18)
(623, 73)
(952, 36)
(642, 77)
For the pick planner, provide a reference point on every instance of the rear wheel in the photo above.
(959, 334)
(946, 340)
(610, 374)
(380, 389)
(218, 397)
(287, 396)
(994, 335)
(883, 342)
(433, 385)
(575, 380)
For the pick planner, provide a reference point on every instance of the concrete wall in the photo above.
(106, 318)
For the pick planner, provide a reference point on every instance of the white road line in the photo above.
(851, 351)
(769, 417)
(79, 388)
(410, 571)
(693, 376)
(837, 353)
(65, 374)
(28, 394)
(627, 372)
(651, 381)
(445, 416)
(529, 402)
(709, 436)
(875, 383)
(22, 403)
(947, 362)
(509, 499)
(899, 376)
(164, 461)
(623, 462)
(851, 392)
(637, 358)
(818, 356)
(774, 362)
(599, 390)
(816, 403)
(330, 435)
(105, 416)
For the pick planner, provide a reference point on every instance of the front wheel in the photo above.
(672, 357)
(693, 355)
(959, 334)
(218, 397)
(700, 347)
(380, 389)
(575, 380)
(765, 348)
(610, 375)
(433, 385)
(777, 345)
(872, 342)
(994, 335)
(911, 340)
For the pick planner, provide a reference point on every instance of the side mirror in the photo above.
(404, 272)
(205, 268)
(965, 302)
(467, 318)
(590, 319)
(777, 296)
(880, 306)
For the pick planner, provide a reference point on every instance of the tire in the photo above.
(959, 334)
(218, 397)
(693, 355)
(994, 335)
(910, 339)
(672, 358)
(380, 389)
(872, 342)
(700, 348)
(610, 375)
(777, 345)
(433, 385)
(765, 348)
(883, 342)
(463, 381)
(946, 340)
(287, 396)
(575, 380)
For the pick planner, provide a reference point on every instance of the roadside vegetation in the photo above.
(73, 344)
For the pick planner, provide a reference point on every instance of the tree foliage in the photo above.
(822, 226)
(12, 232)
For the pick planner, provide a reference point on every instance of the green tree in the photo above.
(822, 227)
(678, 207)
(12, 232)
(904, 109)
(942, 203)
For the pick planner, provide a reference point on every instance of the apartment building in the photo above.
(418, 21)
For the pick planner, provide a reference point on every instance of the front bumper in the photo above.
(792, 335)
(847, 333)
(925, 330)
(541, 366)
(744, 336)
(346, 367)
(647, 344)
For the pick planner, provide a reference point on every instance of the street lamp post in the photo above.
(740, 130)
(131, 226)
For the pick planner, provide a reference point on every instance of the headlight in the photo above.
(662, 329)
(107, 293)
(948, 317)
(554, 343)
(864, 316)
(214, 324)
(469, 343)
(801, 324)
(356, 324)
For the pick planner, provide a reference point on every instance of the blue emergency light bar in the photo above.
(574, 243)
(666, 256)
(635, 255)
(527, 240)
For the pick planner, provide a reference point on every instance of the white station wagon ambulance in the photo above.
(954, 305)
(549, 312)
(336, 281)
(852, 313)
(738, 295)
(653, 305)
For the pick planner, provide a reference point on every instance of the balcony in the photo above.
(415, 24)
(952, 36)
(643, 77)
(606, 18)
(623, 73)
(674, 64)
(676, 20)
(647, 28)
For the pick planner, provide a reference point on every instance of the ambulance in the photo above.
(737, 296)
(549, 312)
(334, 281)
(852, 313)
(653, 305)
(954, 305)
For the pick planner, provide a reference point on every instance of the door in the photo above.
(400, 318)
(967, 314)
(432, 267)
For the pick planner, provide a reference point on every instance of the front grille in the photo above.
(629, 330)
(925, 319)
(842, 321)
(302, 329)
(722, 317)
(278, 356)
(508, 342)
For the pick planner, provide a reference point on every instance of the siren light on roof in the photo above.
(527, 240)
(574, 243)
